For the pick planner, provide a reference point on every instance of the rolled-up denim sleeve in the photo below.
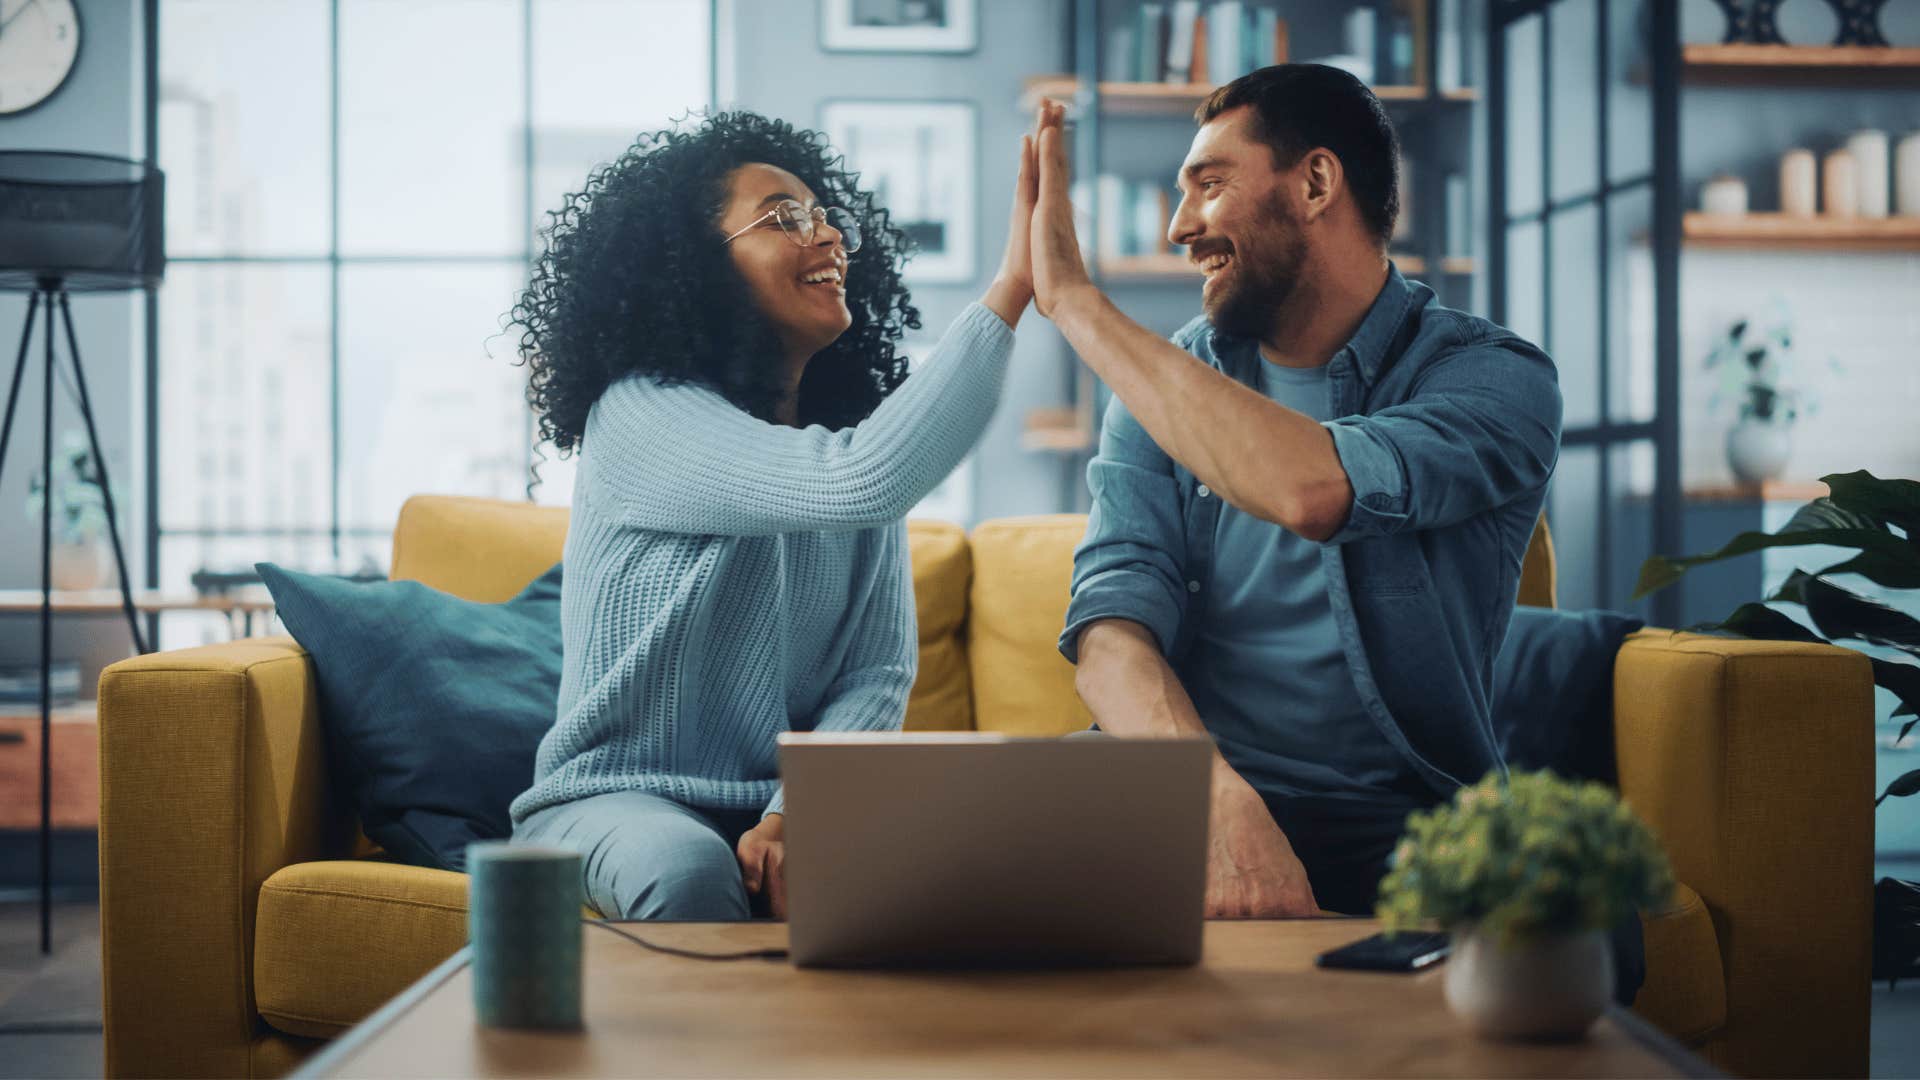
(1481, 429)
(1130, 564)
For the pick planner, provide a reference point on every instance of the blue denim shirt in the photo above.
(1448, 427)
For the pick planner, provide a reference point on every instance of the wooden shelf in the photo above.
(1711, 61)
(1172, 266)
(1768, 491)
(1803, 233)
(1175, 99)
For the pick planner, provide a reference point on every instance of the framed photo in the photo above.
(917, 158)
(950, 26)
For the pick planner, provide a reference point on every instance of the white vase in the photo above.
(1549, 987)
(1757, 450)
(78, 567)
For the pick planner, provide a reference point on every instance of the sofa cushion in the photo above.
(433, 706)
(1553, 690)
(1685, 993)
(1021, 572)
(333, 941)
(942, 699)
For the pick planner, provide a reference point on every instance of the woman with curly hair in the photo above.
(714, 326)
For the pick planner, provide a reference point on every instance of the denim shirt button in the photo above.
(1193, 586)
(1203, 492)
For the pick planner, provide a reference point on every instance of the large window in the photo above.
(354, 192)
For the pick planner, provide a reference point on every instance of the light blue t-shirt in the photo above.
(1266, 672)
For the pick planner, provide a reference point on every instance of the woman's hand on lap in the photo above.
(762, 852)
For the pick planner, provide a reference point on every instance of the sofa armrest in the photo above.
(1753, 763)
(212, 776)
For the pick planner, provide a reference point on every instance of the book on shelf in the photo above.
(1182, 24)
(1130, 217)
(1459, 232)
(1152, 42)
(1403, 187)
(1450, 61)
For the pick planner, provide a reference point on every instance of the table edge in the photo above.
(328, 1061)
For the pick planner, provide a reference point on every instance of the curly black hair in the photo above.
(634, 278)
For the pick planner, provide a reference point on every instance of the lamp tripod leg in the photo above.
(100, 463)
(19, 369)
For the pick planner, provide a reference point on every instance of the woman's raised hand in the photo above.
(1012, 287)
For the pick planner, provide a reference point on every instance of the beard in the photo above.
(1265, 271)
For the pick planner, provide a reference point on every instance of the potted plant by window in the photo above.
(1528, 874)
(1751, 361)
(79, 516)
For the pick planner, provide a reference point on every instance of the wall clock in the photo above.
(39, 42)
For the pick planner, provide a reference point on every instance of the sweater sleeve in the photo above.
(875, 677)
(683, 459)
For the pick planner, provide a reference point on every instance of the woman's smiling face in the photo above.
(800, 290)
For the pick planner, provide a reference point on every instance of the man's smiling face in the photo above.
(1238, 218)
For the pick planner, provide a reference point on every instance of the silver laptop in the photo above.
(985, 850)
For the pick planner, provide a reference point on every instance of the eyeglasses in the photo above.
(800, 224)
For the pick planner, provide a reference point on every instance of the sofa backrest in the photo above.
(477, 549)
(990, 608)
(1018, 605)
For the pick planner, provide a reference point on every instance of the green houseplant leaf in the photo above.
(1884, 557)
(1896, 502)
(1861, 511)
(1902, 786)
(1843, 613)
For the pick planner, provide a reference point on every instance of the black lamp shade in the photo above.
(91, 222)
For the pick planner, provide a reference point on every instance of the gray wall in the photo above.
(779, 69)
(98, 110)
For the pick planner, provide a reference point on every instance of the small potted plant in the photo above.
(79, 516)
(1752, 361)
(1529, 874)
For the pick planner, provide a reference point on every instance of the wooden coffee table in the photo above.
(1256, 1006)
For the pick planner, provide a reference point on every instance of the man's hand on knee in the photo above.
(1252, 871)
(763, 862)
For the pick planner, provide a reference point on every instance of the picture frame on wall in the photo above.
(945, 26)
(917, 158)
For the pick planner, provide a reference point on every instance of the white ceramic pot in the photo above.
(78, 566)
(1546, 988)
(1757, 450)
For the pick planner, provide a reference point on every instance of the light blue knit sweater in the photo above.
(729, 579)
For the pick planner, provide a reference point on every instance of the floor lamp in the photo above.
(71, 223)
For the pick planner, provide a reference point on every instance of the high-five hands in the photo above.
(1058, 269)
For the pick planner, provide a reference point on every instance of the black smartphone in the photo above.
(1405, 951)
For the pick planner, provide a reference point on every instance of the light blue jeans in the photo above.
(647, 857)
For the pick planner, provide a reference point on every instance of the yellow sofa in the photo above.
(244, 919)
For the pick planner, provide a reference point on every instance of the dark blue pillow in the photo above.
(433, 705)
(1553, 690)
